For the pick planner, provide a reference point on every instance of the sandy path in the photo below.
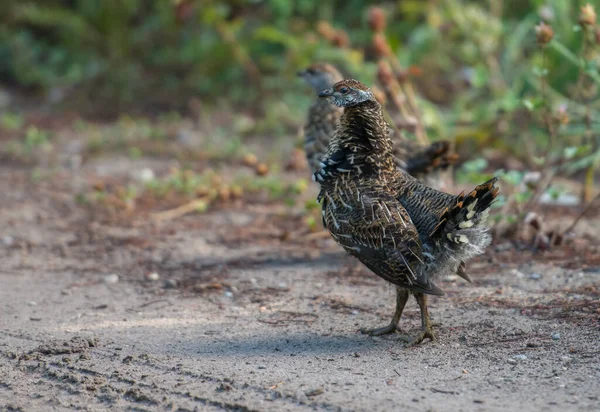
(296, 349)
(274, 335)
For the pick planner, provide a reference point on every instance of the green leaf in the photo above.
(539, 160)
(11, 121)
(513, 177)
(522, 197)
(570, 152)
(274, 35)
(572, 58)
(528, 104)
(475, 166)
(499, 202)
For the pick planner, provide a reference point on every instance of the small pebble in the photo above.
(185, 137)
(8, 240)
(518, 273)
(228, 294)
(565, 359)
(520, 357)
(74, 162)
(32, 303)
(143, 175)
(170, 283)
(111, 279)
(535, 276)
(512, 361)
(153, 276)
(224, 387)
(556, 336)
(354, 312)
(314, 392)
(504, 247)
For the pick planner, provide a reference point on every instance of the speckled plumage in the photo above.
(404, 231)
(323, 118)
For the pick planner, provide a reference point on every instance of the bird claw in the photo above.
(425, 334)
(391, 328)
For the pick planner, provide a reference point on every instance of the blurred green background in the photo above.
(160, 51)
(482, 75)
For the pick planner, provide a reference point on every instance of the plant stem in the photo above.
(583, 212)
(567, 54)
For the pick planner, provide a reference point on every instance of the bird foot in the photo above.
(391, 328)
(425, 334)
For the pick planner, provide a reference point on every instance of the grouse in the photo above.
(324, 117)
(402, 230)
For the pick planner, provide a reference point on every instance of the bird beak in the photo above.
(326, 93)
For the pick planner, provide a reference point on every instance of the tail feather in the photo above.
(470, 212)
(461, 232)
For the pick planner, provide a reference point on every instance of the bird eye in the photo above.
(343, 90)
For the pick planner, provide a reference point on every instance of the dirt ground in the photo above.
(229, 310)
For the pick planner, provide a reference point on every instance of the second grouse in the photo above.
(323, 118)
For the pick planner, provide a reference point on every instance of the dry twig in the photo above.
(180, 210)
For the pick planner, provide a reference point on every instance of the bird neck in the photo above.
(361, 144)
(323, 107)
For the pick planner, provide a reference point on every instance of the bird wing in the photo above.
(422, 160)
(380, 233)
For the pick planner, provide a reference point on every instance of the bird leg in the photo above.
(401, 299)
(426, 325)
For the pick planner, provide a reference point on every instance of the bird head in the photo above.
(348, 92)
(320, 75)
